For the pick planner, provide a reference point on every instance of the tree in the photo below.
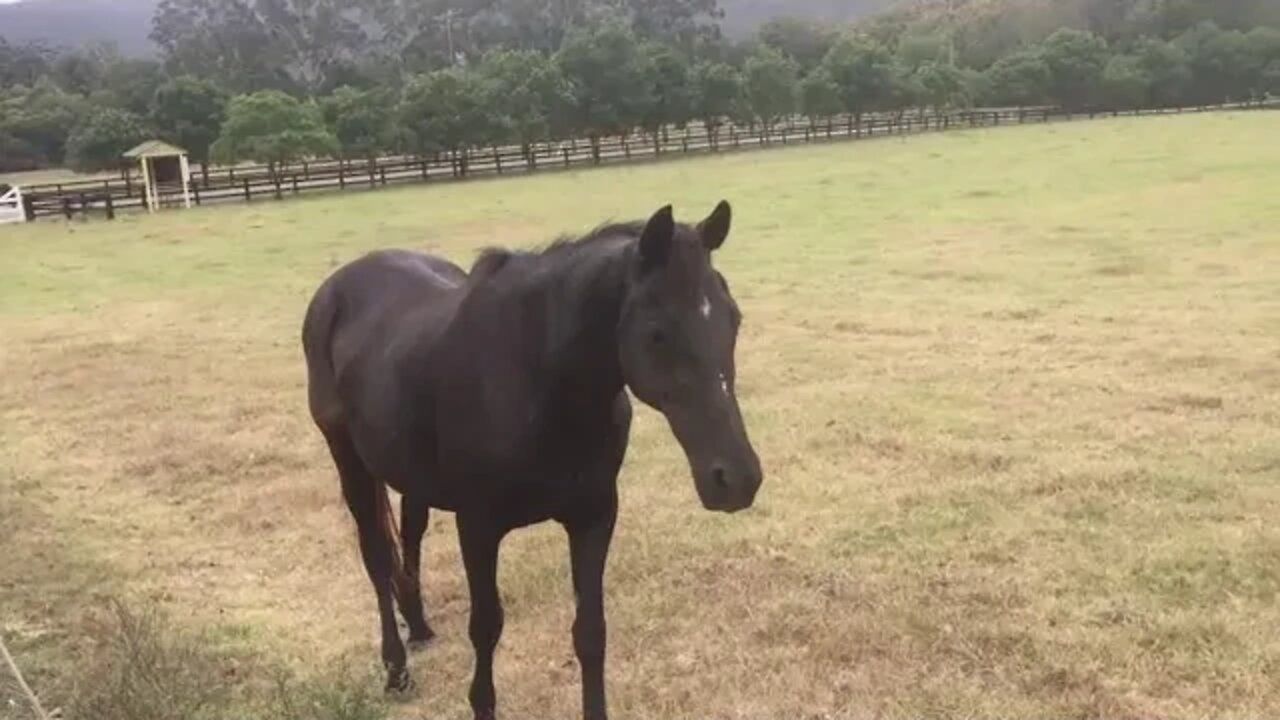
(23, 64)
(864, 71)
(1076, 60)
(941, 86)
(905, 91)
(531, 96)
(1218, 60)
(17, 154)
(678, 22)
(78, 71)
(609, 80)
(1271, 79)
(917, 49)
(819, 96)
(770, 79)
(804, 41)
(100, 140)
(1125, 84)
(273, 128)
(449, 111)
(1167, 69)
(43, 118)
(361, 120)
(717, 95)
(1263, 47)
(189, 112)
(225, 41)
(1020, 79)
(670, 90)
(130, 83)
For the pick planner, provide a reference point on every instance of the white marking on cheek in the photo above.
(724, 384)
(705, 308)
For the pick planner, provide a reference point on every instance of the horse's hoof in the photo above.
(399, 682)
(486, 715)
(418, 643)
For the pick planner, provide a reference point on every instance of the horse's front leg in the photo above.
(480, 540)
(589, 537)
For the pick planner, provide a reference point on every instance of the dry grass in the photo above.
(1016, 392)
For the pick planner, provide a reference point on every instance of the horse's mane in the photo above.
(491, 260)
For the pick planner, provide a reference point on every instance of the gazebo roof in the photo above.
(155, 148)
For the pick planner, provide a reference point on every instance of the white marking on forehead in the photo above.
(705, 308)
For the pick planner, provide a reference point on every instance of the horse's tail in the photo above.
(400, 581)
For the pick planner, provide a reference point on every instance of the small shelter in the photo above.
(164, 171)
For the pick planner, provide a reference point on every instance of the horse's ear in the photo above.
(657, 238)
(715, 228)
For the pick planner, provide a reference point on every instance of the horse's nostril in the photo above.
(719, 478)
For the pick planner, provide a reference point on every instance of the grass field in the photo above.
(1017, 394)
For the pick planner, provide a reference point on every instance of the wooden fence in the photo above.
(247, 184)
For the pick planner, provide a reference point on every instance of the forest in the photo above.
(274, 81)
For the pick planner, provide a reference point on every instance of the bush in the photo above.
(337, 694)
(143, 667)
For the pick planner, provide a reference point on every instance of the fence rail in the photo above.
(246, 184)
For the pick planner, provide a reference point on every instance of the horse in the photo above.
(500, 395)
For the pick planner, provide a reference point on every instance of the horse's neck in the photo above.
(581, 337)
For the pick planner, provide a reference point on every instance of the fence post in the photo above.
(248, 195)
(566, 156)
(342, 177)
(195, 192)
(277, 182)
(306, 173)
(382, 173)
(295, 183)
(66, 206)
(111, 208)
(426, 171)
(29, 208)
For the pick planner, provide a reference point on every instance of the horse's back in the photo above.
(378, 301)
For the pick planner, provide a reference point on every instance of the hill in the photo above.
(744, 16)
(76, 22)
(127, 22)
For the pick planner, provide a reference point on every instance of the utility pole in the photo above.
(951, 32)
(448, 32)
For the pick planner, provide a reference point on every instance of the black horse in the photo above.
(499, 395)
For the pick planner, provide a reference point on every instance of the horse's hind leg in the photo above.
(361, 491)
(414, 515)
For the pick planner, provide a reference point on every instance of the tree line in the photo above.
(273, 81)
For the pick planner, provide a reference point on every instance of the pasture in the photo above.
(1016, 392)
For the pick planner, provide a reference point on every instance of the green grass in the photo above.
(1015, 390)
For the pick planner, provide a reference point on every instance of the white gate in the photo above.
(11, 210)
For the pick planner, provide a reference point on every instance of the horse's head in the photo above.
(677, 336)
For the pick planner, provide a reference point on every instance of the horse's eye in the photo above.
(657, 336)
